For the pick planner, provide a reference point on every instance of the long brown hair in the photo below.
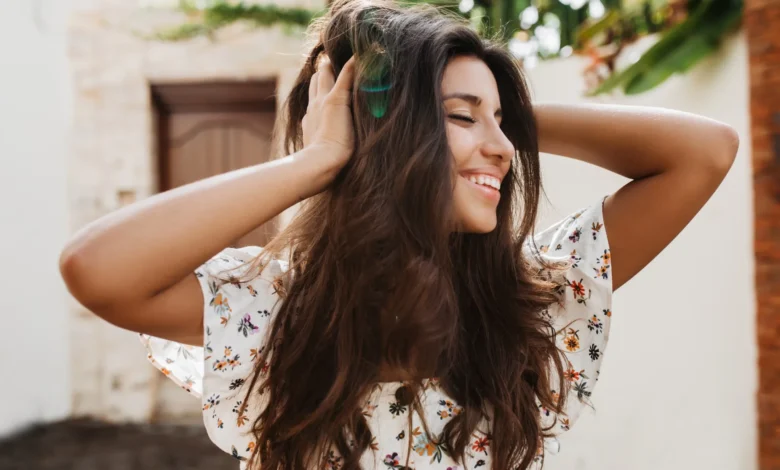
(376, 274)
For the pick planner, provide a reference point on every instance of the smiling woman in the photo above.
(408, 317)
(481, 151)
(422, 210)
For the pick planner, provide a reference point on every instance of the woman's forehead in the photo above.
(468, 75)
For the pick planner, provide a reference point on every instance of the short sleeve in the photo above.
(582, 318)
(237, 314)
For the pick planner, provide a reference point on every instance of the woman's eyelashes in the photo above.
(463, 118)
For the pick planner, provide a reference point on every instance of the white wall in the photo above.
(677, 386)
(34, 116)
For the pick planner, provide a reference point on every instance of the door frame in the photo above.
(219, 96)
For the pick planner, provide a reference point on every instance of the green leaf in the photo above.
(696, 47)
(589, 31)
(680, 59)
(671, 40)
(181, 33)
(217, 14)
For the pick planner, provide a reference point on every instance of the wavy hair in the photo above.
(377, 278)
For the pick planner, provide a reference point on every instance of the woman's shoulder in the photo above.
(245, 264)
(581, 232)
(583, 316)
(242, 291)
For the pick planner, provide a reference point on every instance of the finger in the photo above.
(346, 77)
(313, 88)
(326, 80)
(304, 130)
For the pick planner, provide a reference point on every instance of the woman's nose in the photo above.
(498, 145)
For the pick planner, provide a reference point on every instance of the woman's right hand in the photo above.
(327, 125)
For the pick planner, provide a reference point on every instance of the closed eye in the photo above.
(462, 118)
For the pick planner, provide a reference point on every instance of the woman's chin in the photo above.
(479, 225)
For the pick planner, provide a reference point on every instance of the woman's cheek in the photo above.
(461, 144)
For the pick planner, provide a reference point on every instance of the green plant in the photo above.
(679, 48)
(690, 30)
(205, 18)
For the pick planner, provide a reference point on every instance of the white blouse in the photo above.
(237, 316)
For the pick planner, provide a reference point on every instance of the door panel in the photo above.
(199, 141)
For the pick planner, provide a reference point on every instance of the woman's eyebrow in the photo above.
(473, 99)
(468, 97)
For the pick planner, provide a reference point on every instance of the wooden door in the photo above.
(209, 129)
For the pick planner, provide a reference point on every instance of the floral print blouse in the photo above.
(237, 315)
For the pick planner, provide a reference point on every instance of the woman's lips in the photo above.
(488, 192)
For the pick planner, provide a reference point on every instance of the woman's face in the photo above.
(481, 150)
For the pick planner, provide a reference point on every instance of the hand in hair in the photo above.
(328, 124)
(160, 241)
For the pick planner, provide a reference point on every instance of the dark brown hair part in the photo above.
(378, 245)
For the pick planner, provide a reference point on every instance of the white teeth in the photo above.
(486, 180)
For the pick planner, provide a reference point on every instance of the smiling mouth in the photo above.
(485, 180)
(486, 186)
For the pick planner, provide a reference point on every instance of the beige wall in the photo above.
(113, 153)
(676, 389)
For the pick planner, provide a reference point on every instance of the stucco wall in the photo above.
(113, 161)
(34, 118)
(677, 386)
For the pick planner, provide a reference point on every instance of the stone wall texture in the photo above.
(113, 162)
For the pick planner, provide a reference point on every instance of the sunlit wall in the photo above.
(678, 381)
(34, 117)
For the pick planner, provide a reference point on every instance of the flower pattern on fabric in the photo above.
(237, 316)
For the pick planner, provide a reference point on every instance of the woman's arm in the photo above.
(124, 264)
(134, 267)
(676, 160)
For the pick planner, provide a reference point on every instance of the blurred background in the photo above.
(105, 102)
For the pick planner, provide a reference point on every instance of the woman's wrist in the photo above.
(541, 116)
(320, 165)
